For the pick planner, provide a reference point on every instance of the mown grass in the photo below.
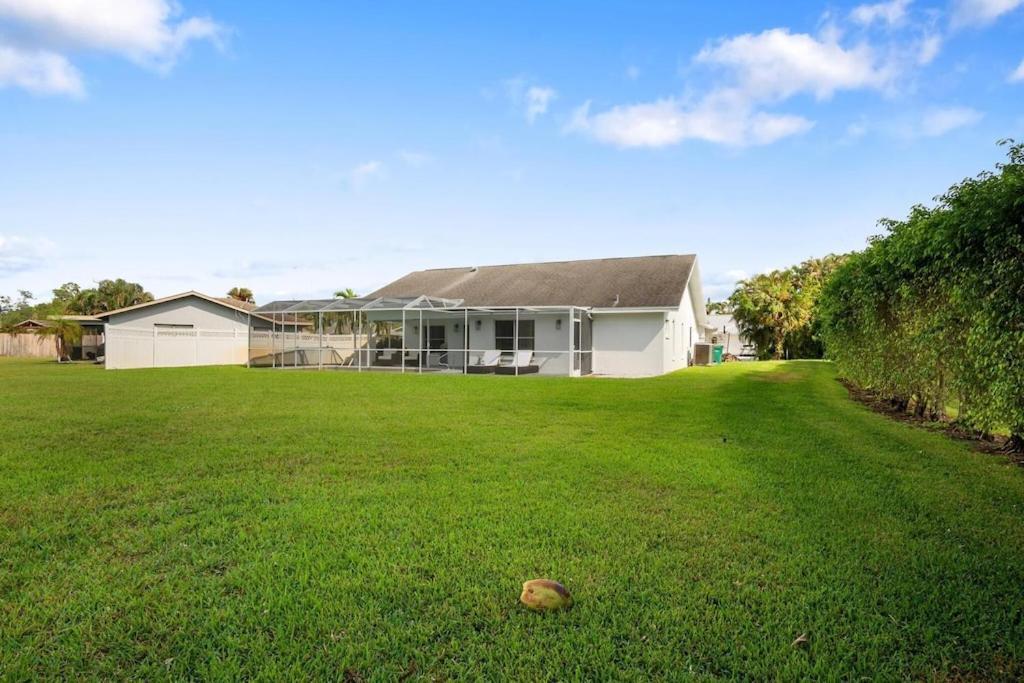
(224, 523)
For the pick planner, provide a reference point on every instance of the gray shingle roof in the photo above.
(654, 281)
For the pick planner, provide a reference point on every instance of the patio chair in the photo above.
(388, 357)
(488, 363)
(522, 364)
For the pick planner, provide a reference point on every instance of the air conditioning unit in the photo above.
(702, 353)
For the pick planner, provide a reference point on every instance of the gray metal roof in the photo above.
(642, 281)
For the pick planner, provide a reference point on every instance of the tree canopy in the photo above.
(242, 294)
(108, 295)
(71, 299)
(777, 310)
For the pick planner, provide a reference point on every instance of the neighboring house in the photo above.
(625, 317)
(33, 325)
(725, 331)
(34, 345)
(184, 329)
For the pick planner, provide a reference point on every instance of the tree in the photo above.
(718, 307)
(66, 293)
(109, 295)
(66, 334)
(347, 293)
(769, 306)
(777, 311)
(242, 294)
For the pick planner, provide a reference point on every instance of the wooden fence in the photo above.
(27, 345)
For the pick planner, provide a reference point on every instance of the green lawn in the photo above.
(227, 523)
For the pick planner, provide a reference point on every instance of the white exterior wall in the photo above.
(629, 344)
(681, 333)
(219, 336)
(644, 343)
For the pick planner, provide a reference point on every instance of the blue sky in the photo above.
(299, 148)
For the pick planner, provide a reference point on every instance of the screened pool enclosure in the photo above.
(421, 334)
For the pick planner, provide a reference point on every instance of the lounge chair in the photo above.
(388, 358)
(522, 364)
(487, 364)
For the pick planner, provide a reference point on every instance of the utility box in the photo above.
(702, 353)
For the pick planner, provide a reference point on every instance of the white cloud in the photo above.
(632, 72)
(981, 12)
(414, 158)
(537, 100)
(532, 99)
(148, 32)
(718, 286)
(722, 117)
(365, 172)
(18, 254)
(777, 64)
(39, 71)
(940, 121)
(765, 68)
(928, 49)
(892, 13)
(1018, 74)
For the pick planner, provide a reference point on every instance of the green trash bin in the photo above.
(716, 353)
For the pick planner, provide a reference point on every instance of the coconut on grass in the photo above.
(545, 595)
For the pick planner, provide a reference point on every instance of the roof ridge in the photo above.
(548, 263)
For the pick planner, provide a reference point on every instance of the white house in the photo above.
(623, 317)
(724, 330)
(184, 329)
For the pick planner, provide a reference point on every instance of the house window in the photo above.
(504, 335)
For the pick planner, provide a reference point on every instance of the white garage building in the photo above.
(180, 330)
(622, 317)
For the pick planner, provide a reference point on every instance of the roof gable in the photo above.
(641, 282)
(175, 297)
(232, 304)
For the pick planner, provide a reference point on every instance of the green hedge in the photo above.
(933, 311)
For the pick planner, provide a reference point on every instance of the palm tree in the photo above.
(347, 293)
(65, 333)
(769, 306)
(242, 294)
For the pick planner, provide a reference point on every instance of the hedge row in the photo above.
(932, 312)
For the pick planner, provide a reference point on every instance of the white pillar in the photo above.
(419, 343)
(572, 341)
(403, 340)
(515, 344)
(465, 341)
